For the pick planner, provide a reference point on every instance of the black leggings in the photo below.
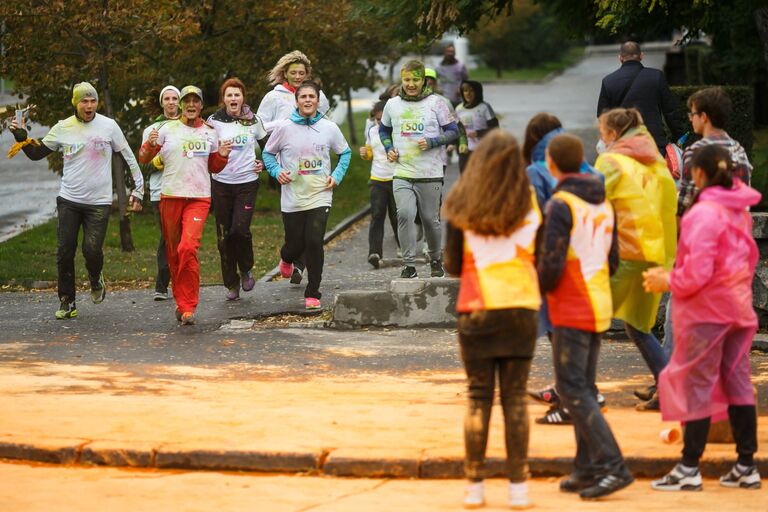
(743, 420)
(233, 208)
(304, 233)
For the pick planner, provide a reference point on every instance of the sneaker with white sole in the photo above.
(66, 310)
(99, 290)
(606, 485)
(518, 496)
(678, 480)
(160, 296)
(556, 415)
(375, 260)
(747, 479)
(296, 275)
(311, 303)
(474, 495)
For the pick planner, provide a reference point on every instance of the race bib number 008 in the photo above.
(412, 128)
(239, 141)
(310, 165)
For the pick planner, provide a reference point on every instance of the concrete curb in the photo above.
(321, 461)
(338, 229)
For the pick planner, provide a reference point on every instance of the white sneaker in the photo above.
(474, 495)
(748, 479)
(678, 480)
(518, 496)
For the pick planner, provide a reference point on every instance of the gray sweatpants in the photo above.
(418, 198)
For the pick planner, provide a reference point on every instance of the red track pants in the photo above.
(183, 219)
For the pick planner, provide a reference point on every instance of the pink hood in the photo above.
(639, 145)
(740, 197)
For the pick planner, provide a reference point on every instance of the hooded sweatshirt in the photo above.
(477, 116)
(577, 254)
(302, 146)
(712, 279)
(279, 104)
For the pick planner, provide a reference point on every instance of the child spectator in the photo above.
(578, 252)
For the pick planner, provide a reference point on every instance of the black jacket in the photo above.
(649, 94)
(555, 233)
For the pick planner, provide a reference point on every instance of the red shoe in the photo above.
(312, 303)
(286, 269)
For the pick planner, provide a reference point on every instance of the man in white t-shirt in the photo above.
(87, 141)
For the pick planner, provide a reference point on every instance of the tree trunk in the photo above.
(761, 20)
(351, 119)
(118, 168)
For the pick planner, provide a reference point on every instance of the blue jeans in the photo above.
(649, 348)
(669, 340)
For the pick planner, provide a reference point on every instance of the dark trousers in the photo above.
(463, 159)
(575, 353)
(94, 220)
(382, 206)
(163, 272)
(743, 419)
(304, 232)
(495, 343)
(233, 209)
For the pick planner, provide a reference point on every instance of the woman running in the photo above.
(476, 115)
(190, 150)
(234, 188)
(298, 156)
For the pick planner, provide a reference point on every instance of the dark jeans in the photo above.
(575, 354)
(233, 209)
(463, 159)
(94, 220)
(382, 206)
(304, 232)
(649, 348)
(743, 419)
(163, 272)
(497, 343)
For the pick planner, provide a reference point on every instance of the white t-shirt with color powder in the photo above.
(184, 151)
(87, 150)
(381, 168)
(411, 121)
(156, 177)
(305, 151)
(241, 166)
(474, 119)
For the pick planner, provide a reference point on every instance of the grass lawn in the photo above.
(31, 256)
(486, 74)
(760, 165)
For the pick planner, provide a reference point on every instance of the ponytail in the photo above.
(715, 162)
(621, 120)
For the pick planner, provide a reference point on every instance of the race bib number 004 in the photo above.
(412, 128)
(310, 165)
(193, 148)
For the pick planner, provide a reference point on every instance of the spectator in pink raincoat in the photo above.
(708, 376)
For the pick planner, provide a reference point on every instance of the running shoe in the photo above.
(374, 259)
(188, 318)
(747, 479)
(474, 495)
(247, 281)
(517, 495)
(556, 415)
(66, 310)
(296, 275)
(645, 393)
(99, 290)
(607, 485)
(651, 405)
(311, 303)
(285, 269)
(547, 395)
(233, 294)
(436, 268)
(576, 483)
(679, 480)
(160, 296)
(408, 273)
(178, 315)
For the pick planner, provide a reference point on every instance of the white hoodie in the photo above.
(279, 103)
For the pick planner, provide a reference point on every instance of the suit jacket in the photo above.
(649, 94)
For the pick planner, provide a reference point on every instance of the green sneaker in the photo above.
(66, 310)
(99, 291)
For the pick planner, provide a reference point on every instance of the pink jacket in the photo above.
(716, 259)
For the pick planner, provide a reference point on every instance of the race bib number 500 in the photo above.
(310, 165)
(412, 127)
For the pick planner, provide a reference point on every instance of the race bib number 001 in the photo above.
(412, 128)
(193, 148)
(310, 165)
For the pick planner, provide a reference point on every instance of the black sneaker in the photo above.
(547, 395)
(408, 273)
(296, 276)
(651, 405)
(607, 485)
(749, 479)
(99, 290)
(556, 415)
(66, 310)
(576, 483)
(374, 259)
(645, 393)
(436, 268)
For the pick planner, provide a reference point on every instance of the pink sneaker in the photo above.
(286, 269)
(312, 303)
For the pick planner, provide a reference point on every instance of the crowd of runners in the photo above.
(543, 242)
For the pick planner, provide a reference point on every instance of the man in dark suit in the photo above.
(646, 89)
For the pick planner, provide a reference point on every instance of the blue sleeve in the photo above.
(341, 168)
(450, 134)
(270, 162)
(385, 134)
